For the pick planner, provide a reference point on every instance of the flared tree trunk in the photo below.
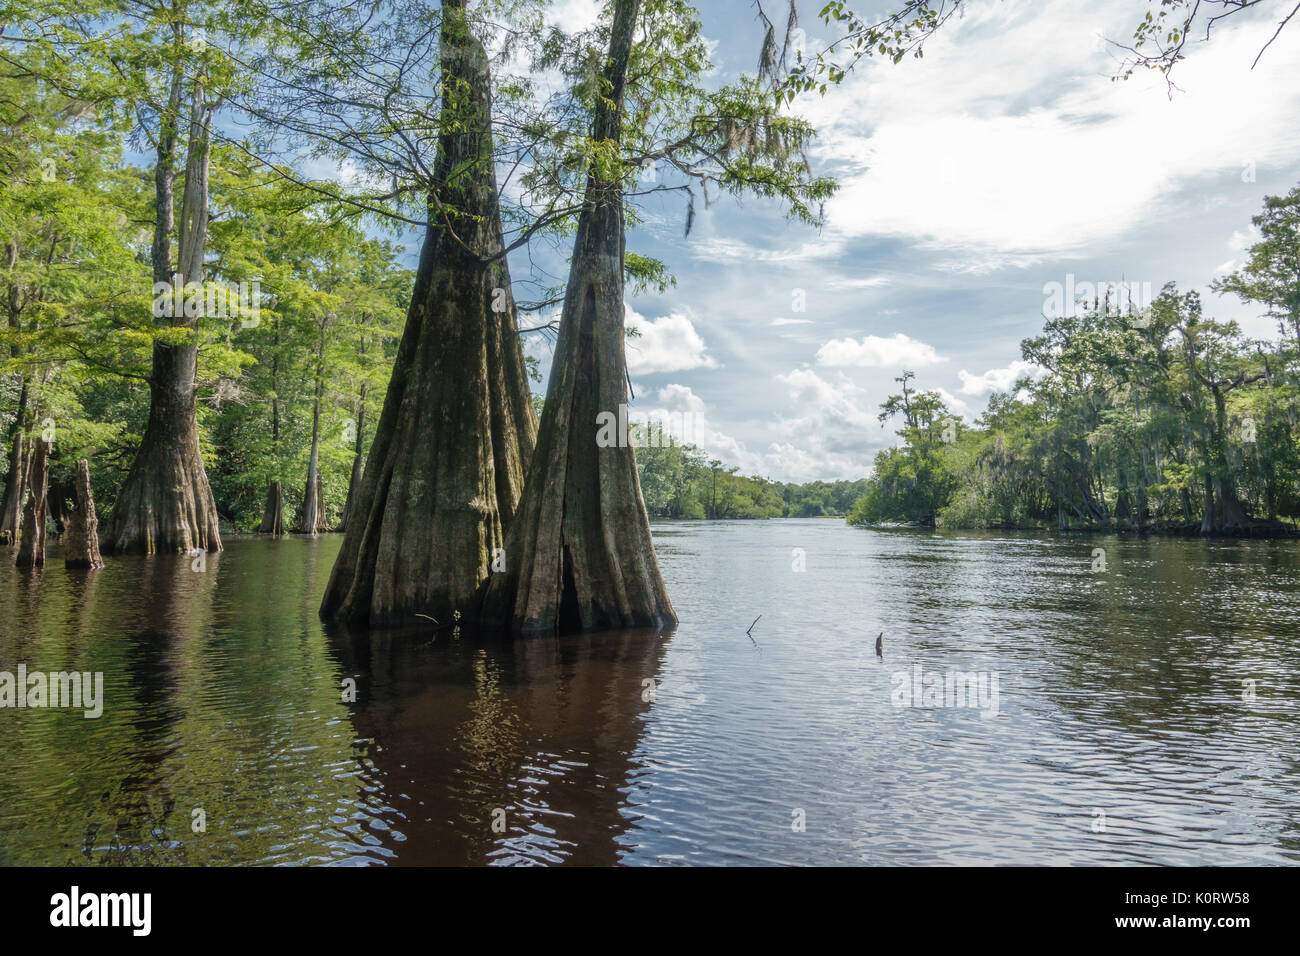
(1233, 511)
(311, 513)
(579, 555)
(31, 547)
(166, 503)
(11, 510)
(81, 546)
(273, 514)
(1207, 512)
(447, 462)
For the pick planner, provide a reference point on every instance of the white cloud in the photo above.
(954, 403)
(997, 379)
(574, 16)
(833, 433)
(667, 344)
(684, 416)
(873, 351)
(790, 322)
(843, 283)
(1044, 155)
(721, 249)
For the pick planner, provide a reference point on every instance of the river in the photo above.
(1144, 712)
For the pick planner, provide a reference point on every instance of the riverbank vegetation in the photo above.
(1155, 419)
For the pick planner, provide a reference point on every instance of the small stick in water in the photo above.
(751, 627)
(879, 645)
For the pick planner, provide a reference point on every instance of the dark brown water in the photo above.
(1120, 692)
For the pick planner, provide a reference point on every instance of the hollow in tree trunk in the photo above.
(456, 434)
(273, 515)
(81, 546)
(166, 503)
(579, 556)
(31, 549)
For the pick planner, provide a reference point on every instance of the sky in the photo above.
(1004, 160)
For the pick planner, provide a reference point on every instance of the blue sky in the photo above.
(1004, 160)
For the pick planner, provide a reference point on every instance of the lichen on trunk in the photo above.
(456, 434)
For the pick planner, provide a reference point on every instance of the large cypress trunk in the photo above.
(580, 556)
(166, 503)
(273, 514)
(1207, 512)
(446, 465)
(11, 509)
(81, 546)
(31, 549)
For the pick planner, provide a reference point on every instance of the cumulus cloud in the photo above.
(666, 344)
(873, 351)
(684, 415)
(997, 379)
(833, 430)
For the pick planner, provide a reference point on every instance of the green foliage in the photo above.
(1158, 417)
(680, 481)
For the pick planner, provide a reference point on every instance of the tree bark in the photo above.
(166, 502)
(31, 549)
(310, 520)
(580, 555)
(81, 547)
(1207, 512)
(358, 459)
(447, 462)
(11, 510)
(273, 514)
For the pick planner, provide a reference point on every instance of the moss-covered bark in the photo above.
(580, 555)
(456, 434)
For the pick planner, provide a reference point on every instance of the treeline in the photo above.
(1158, 418)
(681, 481)
(297, 319)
